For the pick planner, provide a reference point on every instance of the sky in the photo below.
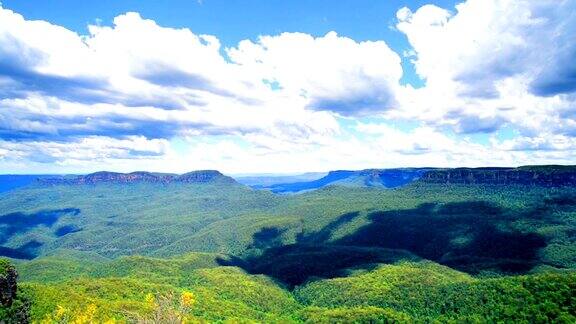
(273, 86)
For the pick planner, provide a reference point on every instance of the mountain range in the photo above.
(380, 178)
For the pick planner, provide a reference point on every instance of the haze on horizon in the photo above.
(287, 87)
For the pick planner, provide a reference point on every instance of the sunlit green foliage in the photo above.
(367, 314)
(219, 293)
(405, 291)
(426, 291)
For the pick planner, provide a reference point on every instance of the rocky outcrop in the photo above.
(204, 176)
(13, 307)
(8, 285)
(549, 176)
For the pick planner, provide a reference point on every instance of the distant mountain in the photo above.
(263, 181)
(381, 178)
(546, 175)
(202, 176)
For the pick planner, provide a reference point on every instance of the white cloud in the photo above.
(491, 63)
(334, 73)
(117, 97)
(134, 78)
(542, 142)
(92, 149)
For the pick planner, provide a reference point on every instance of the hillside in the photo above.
(117, 214)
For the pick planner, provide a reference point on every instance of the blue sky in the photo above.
(284, 86)
(234, 20)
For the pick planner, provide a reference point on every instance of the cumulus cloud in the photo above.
(543, 142)
(133, 78)
(89, 149)
(492, 63)
(334, 73)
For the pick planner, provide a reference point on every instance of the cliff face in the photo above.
(203, 176)
(550, 176)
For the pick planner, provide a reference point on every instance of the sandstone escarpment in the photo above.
(549, 176)
(203, 176)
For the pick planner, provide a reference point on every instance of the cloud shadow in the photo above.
(474, 237)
